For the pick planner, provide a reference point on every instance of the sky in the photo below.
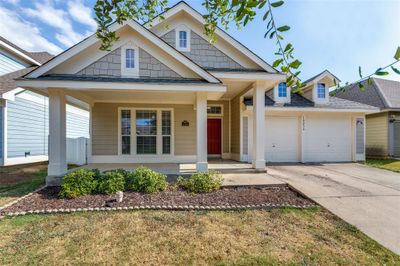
(338, 35)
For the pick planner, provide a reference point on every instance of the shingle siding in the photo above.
(203, 53)
(110, 65)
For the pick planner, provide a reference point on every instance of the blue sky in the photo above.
(338, 35)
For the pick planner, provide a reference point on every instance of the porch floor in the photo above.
(234, 173)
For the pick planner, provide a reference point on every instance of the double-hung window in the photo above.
(130, 58)
(182, 39)
(321, 91)
(282, 91)
(146, 132)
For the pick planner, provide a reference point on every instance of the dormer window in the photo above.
(282, 90)
(129, 60)
(321, 94)
(182, 38)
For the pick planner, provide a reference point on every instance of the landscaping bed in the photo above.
(236, 197)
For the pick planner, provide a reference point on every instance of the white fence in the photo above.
(77, 151)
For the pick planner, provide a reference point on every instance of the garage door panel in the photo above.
(327, 139)
(281, 139)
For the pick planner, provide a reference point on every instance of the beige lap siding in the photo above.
(377, 135)
(105, 127)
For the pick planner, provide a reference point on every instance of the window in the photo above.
(126, 131)
(282, 91)
(182, 39)
(146, 132)
(321, 90)
(166, 132)
(214, 110)
(130, 58)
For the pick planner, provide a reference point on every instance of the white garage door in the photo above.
(327, 139)
(281, 139)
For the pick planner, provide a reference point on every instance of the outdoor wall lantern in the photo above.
(185, 123)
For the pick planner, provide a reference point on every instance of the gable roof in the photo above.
(41, 57)
(183, 6)
(21, 53)
(7, 81)
(114, 27)
(320, 76)
(381, 93)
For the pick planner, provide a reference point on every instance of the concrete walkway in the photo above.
(365, 197)
(250, 179)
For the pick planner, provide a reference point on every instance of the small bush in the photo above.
(78, 183)
(202, 182)
(110, 182)
(121, 171)
(146, 180)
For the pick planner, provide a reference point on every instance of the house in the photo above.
(383, 128)
(168, 96)
(24, 114)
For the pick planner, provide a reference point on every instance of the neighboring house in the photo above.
(168, 96)
(383, 128)
(24, 114)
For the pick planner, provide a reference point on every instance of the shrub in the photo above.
(110, 182)
(78, 183)
(146, 180)
(202, 182)
(121, 171)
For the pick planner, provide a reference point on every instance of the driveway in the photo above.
(365, 197)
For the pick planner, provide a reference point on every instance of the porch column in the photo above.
(258, 126)
(201, 132)
(57, 137)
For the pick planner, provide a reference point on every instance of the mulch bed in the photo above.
(47, 199)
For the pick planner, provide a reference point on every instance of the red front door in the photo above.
(214, 136)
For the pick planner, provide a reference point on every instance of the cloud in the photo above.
(23, 33)
(13, 2)
(81, 13)
(56, 18)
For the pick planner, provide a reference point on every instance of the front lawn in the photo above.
(256, 237)
(388, 164)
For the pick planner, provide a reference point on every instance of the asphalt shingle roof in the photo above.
(41, 57)
(380, 93)
(7, 81)
(296, 101)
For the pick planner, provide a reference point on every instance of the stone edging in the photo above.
(21, 198)
(166, 207)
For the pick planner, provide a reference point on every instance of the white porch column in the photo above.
(258, 126)
(201, 132)
(57, 137)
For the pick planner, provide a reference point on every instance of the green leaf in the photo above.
(288, 46)
(277, 62)
(272, 34)
(262, 4)
(397, 54)
(276, 4)
(381, 72)
(361, 86)
(395, 70)
(283, 28)
(359, 71)
(295, 64)
(266, 15)
(268, 31)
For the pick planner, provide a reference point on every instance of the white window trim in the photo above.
(158, 136)
(318, 100)
(129, 72)
(216, 115)
(281, 99)
(188, 38)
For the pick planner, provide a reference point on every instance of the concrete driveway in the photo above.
(365, 197)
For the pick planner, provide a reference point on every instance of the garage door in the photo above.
(327, 139)
(281, 140)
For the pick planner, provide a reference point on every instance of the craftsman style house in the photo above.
(168, 96)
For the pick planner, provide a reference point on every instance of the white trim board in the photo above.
(25, 160)
(19, 53)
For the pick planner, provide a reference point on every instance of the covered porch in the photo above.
(160, 124)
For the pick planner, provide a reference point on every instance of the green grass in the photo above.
(388, 164)
(256, 237)
(9, 193)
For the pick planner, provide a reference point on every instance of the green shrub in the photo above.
(202, 182)
(121, 171)
(146, 180)
(110, 182)
(78, 183)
